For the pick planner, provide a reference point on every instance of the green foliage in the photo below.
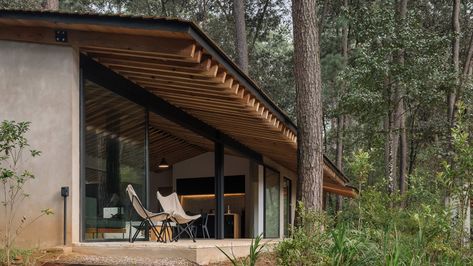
(414, 236)
(26, 255)
(361, 165)
(457, 176)
(411, 229)
(308, 244)
(13, 146)
(256, 248)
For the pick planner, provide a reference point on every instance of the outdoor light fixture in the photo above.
(163, 164)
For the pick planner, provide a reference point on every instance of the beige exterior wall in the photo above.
(40, 84)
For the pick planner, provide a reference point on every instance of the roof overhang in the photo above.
(180, 64)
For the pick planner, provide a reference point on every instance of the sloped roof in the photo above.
(187, 69)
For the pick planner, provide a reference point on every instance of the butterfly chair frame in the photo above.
(184, 222)
(183, 228)
(147, 221)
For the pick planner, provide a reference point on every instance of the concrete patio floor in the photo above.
(202, 252)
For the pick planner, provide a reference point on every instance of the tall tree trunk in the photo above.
(461, 202)
(391, 152)
(323, 15)
(392, 137)
(451, 98)
(52, 5)
(339, 157)
(401, 112)
(339, 150)
(455, 60)
(309, 103)
(241, 44)
(341, 117)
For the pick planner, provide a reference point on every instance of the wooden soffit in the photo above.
(177, 62)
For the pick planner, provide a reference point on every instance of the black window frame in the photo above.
(83, 76)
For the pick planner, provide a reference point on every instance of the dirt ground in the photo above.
(58, 259)
(78, 259)
(266, 259)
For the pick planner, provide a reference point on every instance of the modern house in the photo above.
(152, 102)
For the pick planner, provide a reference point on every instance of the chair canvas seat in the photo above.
(171, 205)
(149, 218)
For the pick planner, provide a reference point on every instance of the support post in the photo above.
(219, 190)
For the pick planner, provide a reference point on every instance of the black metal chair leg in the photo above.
(189, 231)
(129, 234)
(162, 231)
(159, 237)
(140, 227)
(205, 232)
(186, 229)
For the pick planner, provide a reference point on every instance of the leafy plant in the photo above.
(13, 146)
(361, 166)
(343, 250)
(256, 248)
(308, 244)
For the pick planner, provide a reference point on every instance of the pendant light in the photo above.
(163, 164)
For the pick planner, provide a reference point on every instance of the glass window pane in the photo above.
(271, 203)
(114, 158)
(287, 194)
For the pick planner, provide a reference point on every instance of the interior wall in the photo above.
(203, 166)
(40, 83)
(161, 182)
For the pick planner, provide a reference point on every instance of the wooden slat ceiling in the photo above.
(200, 86)
(212, 96)
(182, 72)
(111, 116)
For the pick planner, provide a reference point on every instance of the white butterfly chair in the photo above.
(171, 205)
(150, 219)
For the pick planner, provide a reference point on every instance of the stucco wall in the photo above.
(40, 84)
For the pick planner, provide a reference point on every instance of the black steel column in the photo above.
(147, 167)
(219, 185)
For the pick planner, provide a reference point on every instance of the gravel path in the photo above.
(78, 259)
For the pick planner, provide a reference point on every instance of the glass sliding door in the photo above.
(114, 156)
(271, 203)
(287, 196)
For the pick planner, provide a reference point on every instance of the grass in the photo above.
(24, 255)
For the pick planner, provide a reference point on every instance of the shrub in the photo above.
(308, 244)
(13, 146)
